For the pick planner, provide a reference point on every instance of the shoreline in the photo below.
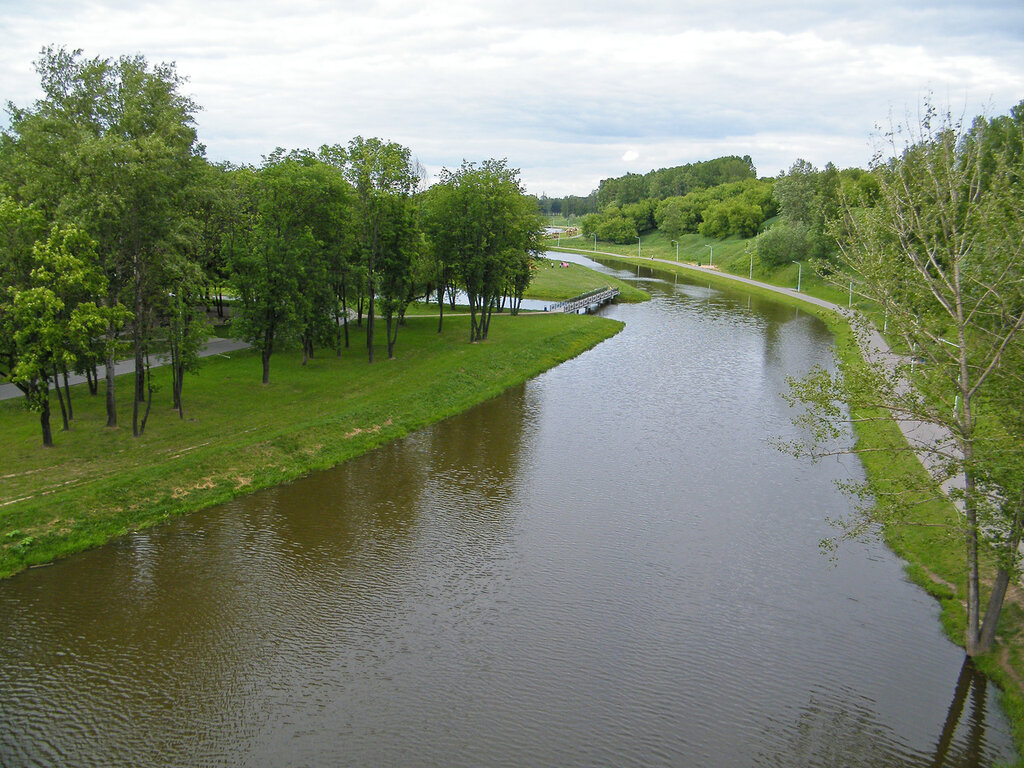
(238, 436)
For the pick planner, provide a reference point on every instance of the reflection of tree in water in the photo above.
(475, 457)
(840, 728)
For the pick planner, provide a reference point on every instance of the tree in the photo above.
(110, 149)
(782, 243)
(184, 326)
(480, 215)
(380, 174)
(51, 322)
(440, 268)
(399, 244)
(265, 268)
(942, 254)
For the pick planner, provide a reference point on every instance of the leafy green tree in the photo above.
(439, 263)
(942, 255)
(110, 149)
(381, 175)
(50, 322)
(480, 215)
(642, 214)
(184, 325)
(400, 241)
(782, 243)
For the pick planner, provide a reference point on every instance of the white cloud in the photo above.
(570, 93)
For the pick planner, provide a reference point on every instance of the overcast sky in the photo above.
(570, 92)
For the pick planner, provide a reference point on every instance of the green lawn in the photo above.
(237, 435)
(552, 281)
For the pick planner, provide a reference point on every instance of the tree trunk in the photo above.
(369, 326)
(60, 399)
(140, 374)
(344, 310)
(44, 422)
(67, 393)
(1003, 576)
(440, 308)
(391, 339)
(265, 357)
(179, 379)
(149, 398)
(135, 414)
(111, 406)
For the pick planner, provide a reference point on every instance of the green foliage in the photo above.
(480, 218)
(384, 177)
(674, 182)
(941, 253)
(53, 321)
(783, 243)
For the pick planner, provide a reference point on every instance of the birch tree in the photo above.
(942, 255)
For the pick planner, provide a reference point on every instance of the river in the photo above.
(609, 565)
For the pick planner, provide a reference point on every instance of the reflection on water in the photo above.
(606, 566)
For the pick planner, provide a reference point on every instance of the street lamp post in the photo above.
(712, 262)
(595, 242)
(638, 247)
(751, 275)
(677, 249)
(799, 274)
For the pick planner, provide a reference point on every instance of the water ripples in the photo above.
(608, 566)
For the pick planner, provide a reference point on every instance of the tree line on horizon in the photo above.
(118, 237)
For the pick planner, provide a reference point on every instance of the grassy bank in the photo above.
(931, 545)
(238, 435)
(558, 283)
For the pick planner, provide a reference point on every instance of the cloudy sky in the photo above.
(570, 92)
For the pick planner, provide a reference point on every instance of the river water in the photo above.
(609, 565)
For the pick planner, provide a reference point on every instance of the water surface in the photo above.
(609, 565)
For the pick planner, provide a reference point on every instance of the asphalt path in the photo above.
(215, 346)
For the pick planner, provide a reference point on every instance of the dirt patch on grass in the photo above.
(369, 430)
(203, 485)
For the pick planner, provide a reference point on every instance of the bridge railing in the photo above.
(596, 296)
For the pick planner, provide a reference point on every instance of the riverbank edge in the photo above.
(462, 393)
(931, 575)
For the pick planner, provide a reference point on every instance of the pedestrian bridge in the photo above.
(594, 298)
